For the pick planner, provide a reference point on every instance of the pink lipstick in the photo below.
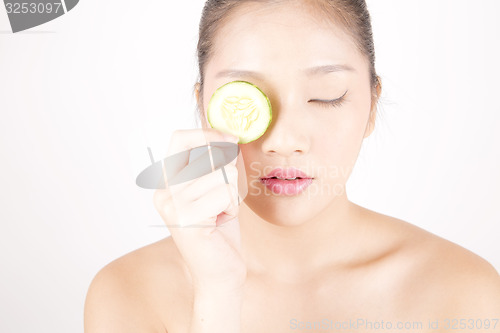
(287, 182)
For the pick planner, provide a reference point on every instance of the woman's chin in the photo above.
(281, 212)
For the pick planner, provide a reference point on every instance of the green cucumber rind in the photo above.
(241, 141)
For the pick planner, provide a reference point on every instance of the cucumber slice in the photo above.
(241, 109)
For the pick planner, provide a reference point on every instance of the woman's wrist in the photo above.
(217, 310)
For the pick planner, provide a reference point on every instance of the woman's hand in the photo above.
(202, 215)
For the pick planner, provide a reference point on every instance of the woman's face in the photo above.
(297, 61)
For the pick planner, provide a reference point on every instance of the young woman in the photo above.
(306, 259)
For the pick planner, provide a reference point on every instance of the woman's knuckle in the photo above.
(168, 210)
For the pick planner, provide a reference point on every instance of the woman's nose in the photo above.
(286, 136)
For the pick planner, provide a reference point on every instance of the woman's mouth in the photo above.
(287, 182)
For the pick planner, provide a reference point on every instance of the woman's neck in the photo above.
(295, 253)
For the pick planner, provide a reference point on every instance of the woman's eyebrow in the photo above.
(235, 73)
(325, 69)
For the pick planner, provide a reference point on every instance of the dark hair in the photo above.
(352, 16)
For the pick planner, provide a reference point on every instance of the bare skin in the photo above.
(315, 256)
(404, 274)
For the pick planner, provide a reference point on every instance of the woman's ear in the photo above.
(197, 87)
(373, 111)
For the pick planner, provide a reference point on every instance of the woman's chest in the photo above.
(283, 307)
(282, 310)
(266, 307)
(273, 307)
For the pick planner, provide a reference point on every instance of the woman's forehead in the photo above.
(287, 16)
(260, 36)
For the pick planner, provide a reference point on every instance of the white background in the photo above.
(83, 96)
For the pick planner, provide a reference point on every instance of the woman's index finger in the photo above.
(187, 139)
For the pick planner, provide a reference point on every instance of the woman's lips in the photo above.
(288, 182)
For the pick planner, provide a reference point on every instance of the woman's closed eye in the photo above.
(337, 102)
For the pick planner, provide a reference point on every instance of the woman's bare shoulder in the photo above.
(161, 254)
(137, 289)
(439, 272)
(148, 264)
